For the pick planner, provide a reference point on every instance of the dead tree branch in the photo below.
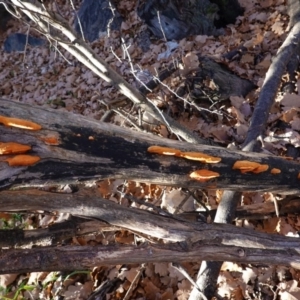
(169, 228)
(196, 240)
(74, 148)
(87, 257)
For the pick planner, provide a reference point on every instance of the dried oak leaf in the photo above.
(13, 148)
(275, 171)
(22, 160)
(164, 150)
(204, 175)
(202, 157)
(249, 166)
(19, 123)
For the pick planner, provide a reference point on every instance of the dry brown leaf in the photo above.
(204, 175)
(19, 123)
(13, 148)
(290, 100)
(22, 160)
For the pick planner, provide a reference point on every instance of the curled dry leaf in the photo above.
(22, 160)
(249, 166)
(275, 171)
(204, 175)
(202, 157)
(19, 123)
(164, 150)
(13, 148)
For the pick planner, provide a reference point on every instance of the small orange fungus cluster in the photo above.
(164, 150)
(249, 166)
(200, 175)
(50, 140)
(197, 156)
(19, 123)
(275, 171)
(202, 157)
(9, 148)
(13, 148)
(204, 175)
(22, 160)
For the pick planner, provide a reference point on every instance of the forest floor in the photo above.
(42, 76)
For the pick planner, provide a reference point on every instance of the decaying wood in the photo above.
(193, 240)
(90, 150)
(75, 226)
(168, 228)
(52, 235)
(87, 257)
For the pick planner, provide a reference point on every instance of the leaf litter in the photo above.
(49, 80)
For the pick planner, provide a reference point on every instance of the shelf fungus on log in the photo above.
(197, 156)
(13, 148)
(19, 123)
(249, 166)
(163, 150)
(204, 175)
(50, 140)
(22, 160)
(275, 171)
(202, 157)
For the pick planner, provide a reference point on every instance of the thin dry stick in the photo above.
(135, 282)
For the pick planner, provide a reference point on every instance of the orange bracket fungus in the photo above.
(202, 157)
(13, 148)
(163, 150)
(19, 123)
(249, 166)
(204, 175)
(50, 140)
(275, 171)
(197, 156)
(22, 160)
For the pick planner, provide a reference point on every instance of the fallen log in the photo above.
(169, 228)
(73, 148)
(183, 240)
(87, 257)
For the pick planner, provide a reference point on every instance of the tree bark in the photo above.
(87, 257)
(169, 228)
(91, 150)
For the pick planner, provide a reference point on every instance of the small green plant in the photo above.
(23, 287)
